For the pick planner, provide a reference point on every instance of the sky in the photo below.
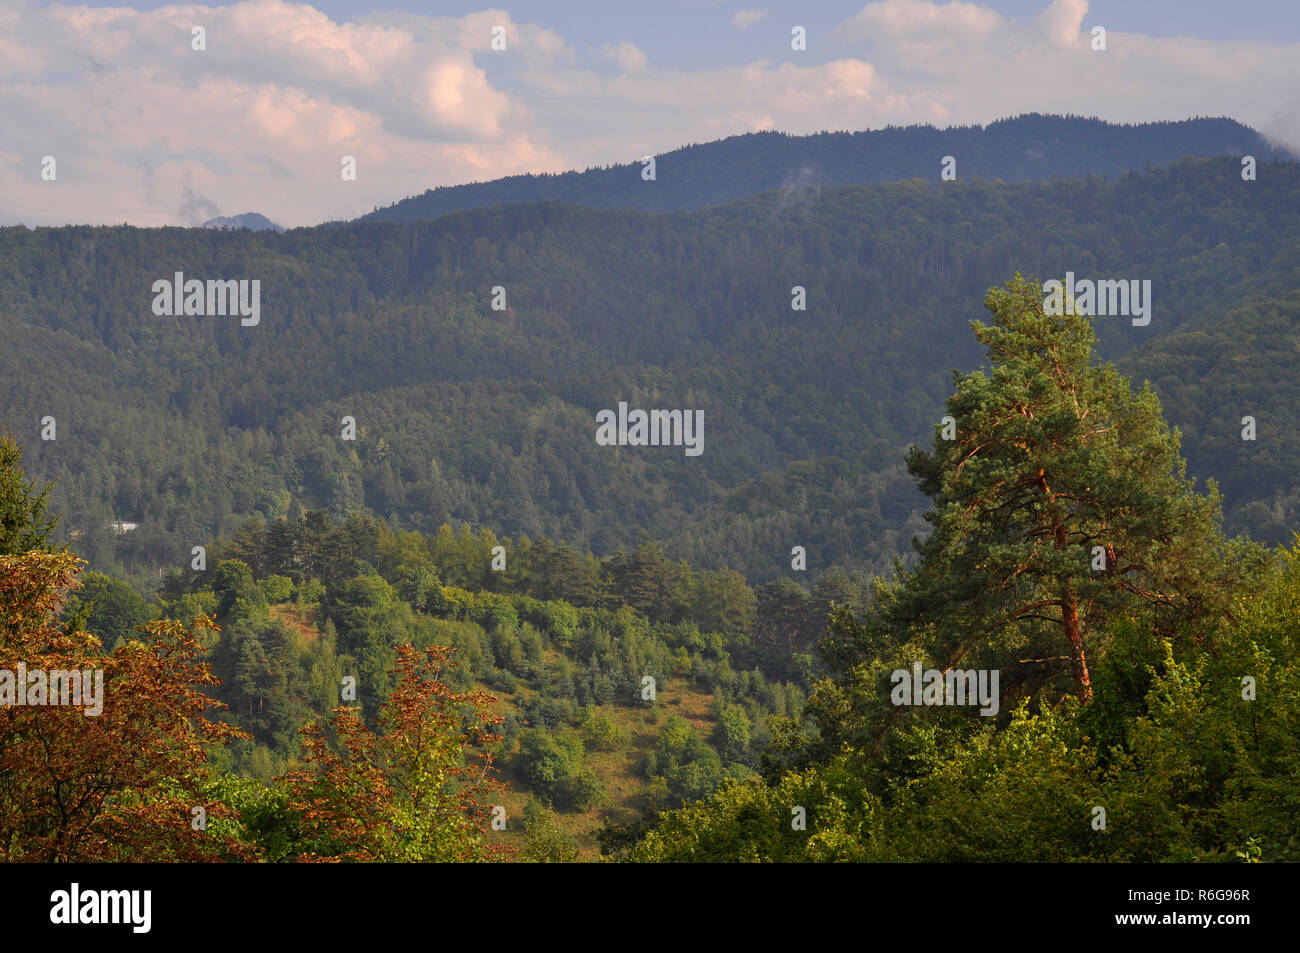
(108, 113)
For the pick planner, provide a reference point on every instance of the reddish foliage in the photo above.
(115, 786)
(416, 787)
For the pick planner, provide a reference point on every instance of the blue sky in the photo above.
(681, 33)
(148, 130)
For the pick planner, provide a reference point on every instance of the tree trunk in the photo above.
(1070, 623)
(1070, 620)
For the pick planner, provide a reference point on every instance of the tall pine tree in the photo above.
(1060, 503)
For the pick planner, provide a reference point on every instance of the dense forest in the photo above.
(1029, 147)
(564, 643)
(1149, 681)
(187, 426)
(365, 584)
(348, 691)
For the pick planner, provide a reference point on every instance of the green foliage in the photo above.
(233, 583)
(602, 732)
(546, 843)
(551, 764)
(689, 765)
(309, 592)
(1211, 376)
(1186, 736)
(1056, 453)
(277, 588)
(749, 821)
(264, 815)
(24, 523)
(1062, 504)
(471, 419)
(112, 609)
(732, 737)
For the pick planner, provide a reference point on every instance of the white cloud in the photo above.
(261, 118)
(627, 55)
(968, 64)
(744, 19)
(1062, 20)
(146, 130)
(921, 19)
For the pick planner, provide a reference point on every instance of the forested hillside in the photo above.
(1030, 147)
(317, 690)
(187, 426)
(1146, 693)
(618, 687)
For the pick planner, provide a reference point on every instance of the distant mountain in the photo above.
(190, 424)
(1031, 147)
(249, 220)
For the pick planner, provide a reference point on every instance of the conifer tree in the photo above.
(24, 523)
(1061, 503)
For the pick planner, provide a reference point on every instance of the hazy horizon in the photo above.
(146, 129)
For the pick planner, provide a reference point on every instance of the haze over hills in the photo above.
(1028, 147)
(188, 424)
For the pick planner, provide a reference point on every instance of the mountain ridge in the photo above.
(253, 221)
(1028, 147)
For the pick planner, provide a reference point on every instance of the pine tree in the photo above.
(24, 523)
(1061, 503)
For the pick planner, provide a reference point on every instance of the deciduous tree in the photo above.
(415, 787)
